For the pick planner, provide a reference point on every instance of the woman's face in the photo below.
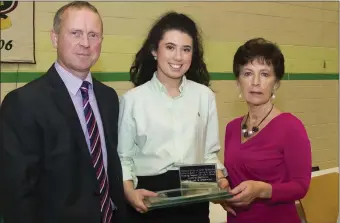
(174, 54)
(257, 82)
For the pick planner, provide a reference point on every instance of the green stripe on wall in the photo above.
(24, 77)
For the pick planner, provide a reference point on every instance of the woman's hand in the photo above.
(247, 191)
(136, 197)
(223, 183)
(227, 207)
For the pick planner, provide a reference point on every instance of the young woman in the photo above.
(168, 119)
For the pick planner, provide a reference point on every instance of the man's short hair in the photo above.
(77, 5)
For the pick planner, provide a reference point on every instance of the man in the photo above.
(58, 134)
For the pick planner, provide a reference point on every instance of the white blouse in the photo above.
(157, 132)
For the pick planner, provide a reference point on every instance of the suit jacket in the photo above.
(46, 172)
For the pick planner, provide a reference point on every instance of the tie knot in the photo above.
(84, 87)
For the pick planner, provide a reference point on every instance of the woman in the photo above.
(267, 152)
(168, 119)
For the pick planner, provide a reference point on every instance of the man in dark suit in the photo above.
(58, 134)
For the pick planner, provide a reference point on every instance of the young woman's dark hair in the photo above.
(145, 65)
(262, 50)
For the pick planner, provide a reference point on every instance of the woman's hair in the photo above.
(263, 51)
(145, 65)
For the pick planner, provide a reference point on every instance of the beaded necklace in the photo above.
(255, 129)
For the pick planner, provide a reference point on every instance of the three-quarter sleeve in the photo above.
(298, 160)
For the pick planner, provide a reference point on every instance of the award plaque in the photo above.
(198, 183)
(182, 196)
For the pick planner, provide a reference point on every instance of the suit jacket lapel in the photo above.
(64, 102)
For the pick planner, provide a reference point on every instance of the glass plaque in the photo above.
(189, 195)
(198, 183)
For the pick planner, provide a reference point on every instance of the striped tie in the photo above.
(97, 157)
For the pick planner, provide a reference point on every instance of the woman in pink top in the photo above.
(267, 152)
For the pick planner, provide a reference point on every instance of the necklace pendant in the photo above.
(246, 134)
(255, 129)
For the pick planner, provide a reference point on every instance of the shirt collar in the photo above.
(159, 86)
(72, 82)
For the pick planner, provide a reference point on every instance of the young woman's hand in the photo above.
(223, 183)
(136, 199)
(136, 196)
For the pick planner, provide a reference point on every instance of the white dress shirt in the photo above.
(157, 132)
(73, 85)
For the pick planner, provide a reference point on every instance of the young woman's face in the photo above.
(174, 54)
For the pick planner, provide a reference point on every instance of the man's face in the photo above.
(79, 40)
